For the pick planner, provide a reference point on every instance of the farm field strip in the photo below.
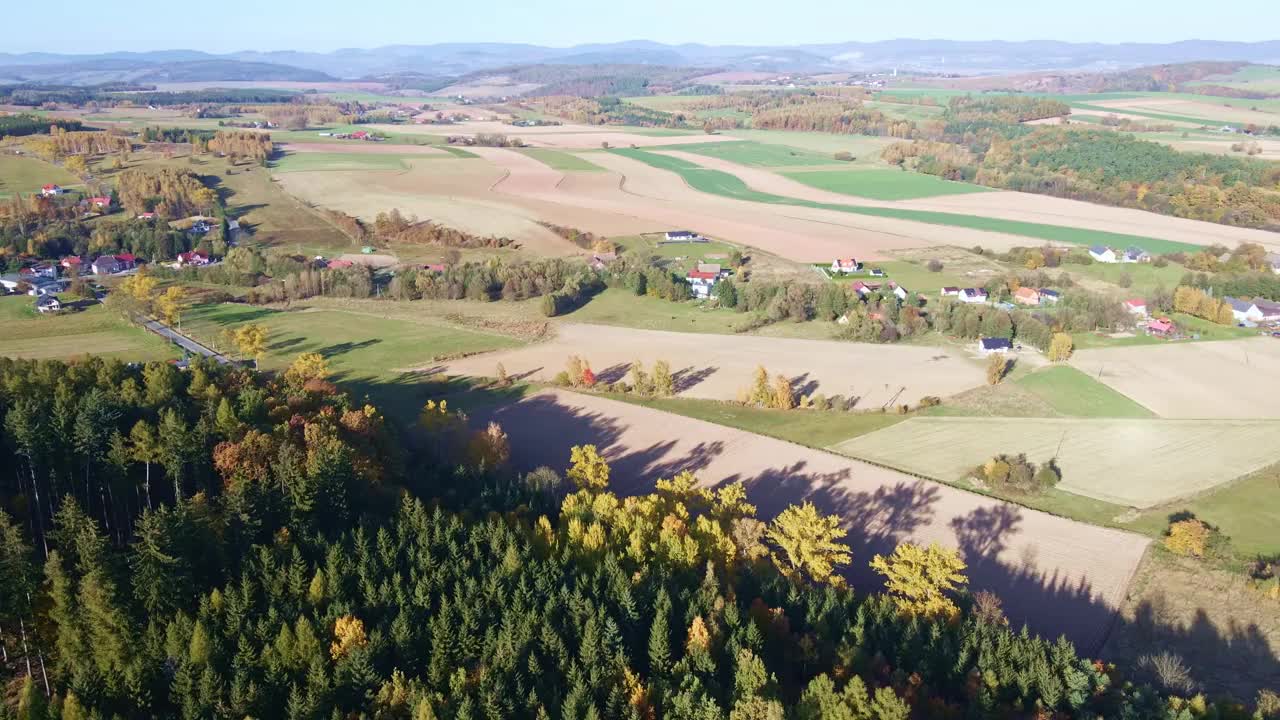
(1130, 462)
(1039, 564)
(1219, 379)
(720, 366)
(998, 210)
(728, 184)
(883, 184)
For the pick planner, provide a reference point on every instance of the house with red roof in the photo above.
(195, 258)
(147, 216)
(1136, 306)
(100, 202)
(50, 190)
(1026, 296)
(340, 264)
(72, 262)
(360, 135)
(1162, 327)
(127, 261)
(845, 266)
(701, 282)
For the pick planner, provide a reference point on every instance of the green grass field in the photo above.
(1075, 394)
(912, 276)
(621, 308)
(24, 174)
(27, 334)
(560, 160)
(755, 154)
(1144, 277)
(300, 162)
(864, 148)
(724, 184)
(366, 352)
(1203, 329)
(1245, 511)
(883, 184)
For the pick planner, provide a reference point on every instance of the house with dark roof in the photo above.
(987, 346)
(1135, 255)
(1270, 310)
(48, 304)
(1244, 311)
(682, 236)
(1048, 297)
(1102, 254)
(105, 265)
(973, 295)
(949, 292)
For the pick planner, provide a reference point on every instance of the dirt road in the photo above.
(1057, 575)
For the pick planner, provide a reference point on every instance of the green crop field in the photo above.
(25, 333)
(560, 160)
(1075, 394)
(883, 184)
(299, 162)
(1143, 277)
(864, 148)
(24, 174)
(724, 184)
(755, 154)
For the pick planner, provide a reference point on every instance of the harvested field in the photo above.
(1138, 463)
(1270, 148)
(566, 136)
(1223, 379)
(1211, 112)
(363, 147)
(718, 367)
(1004, 205)
(1058, 576)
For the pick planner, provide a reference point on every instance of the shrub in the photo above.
(929, 401)
(1168, 672)
(1014, 473)
(550, 306)
(997, 367)
(561, 379)
(1125, 280)
(1047, 476)
(1188, 537)
(843, 156)
(1160, 262)
(935, 265)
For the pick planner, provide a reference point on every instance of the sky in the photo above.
(82, 26)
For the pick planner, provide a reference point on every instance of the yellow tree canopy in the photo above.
(919, 579)
(809, 541)
(589, 471)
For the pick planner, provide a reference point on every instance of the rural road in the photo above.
(1055, 575)
(181, 340)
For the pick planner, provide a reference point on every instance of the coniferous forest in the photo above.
(222, 543)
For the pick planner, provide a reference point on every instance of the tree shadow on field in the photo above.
(689, 378)
(1016, 553)
(613, 373)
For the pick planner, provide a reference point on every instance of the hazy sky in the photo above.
(81, 26)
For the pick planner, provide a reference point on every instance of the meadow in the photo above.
(1074, 394)
(24, 333)
(883, 184)
(24, 175)
(562, 161)
(754, 154)
(309, 161)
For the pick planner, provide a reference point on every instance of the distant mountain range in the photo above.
(453, 59)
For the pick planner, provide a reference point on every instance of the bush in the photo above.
(550, 305)
(844, 156)
(929, 401)
(1160, 262)
(561, 379)
(1189, 538)
(1016, 474)
(1125, 280)
(1168, 672)
(935, 265)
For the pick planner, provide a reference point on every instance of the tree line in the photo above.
(224, 543)
(169, 192)
(20, 125)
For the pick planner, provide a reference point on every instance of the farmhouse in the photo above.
(1136, 255)
(43, 286)
(195, 258)
(682, 236)
(949, 292)
(10, 282)
(716, 268)
(1048, 297)
(1270, 310)
(72, 262)
(898, 291)
(1026, 296)
(1244, 311)
(100, 202)
(845, 266)
(42, 270)
(700, 283)
(863, 288)
(1136, 306)
(973, 295)
(1162, 327)
(1102, 254)
(105, 265)
(48, 303)
(50, 190)
(875, 272)
(987, 346)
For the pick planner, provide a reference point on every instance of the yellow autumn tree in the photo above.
(919, 579)
(348, 635)
(1060, 347)
(588, 470)
(171, 304)
(782, 395)
(809, 541)
(307, 366)
(251, 340)
(1188, 537)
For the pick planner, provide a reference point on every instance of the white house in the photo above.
(899, 291)
(1102, 254)
(1270, 310)
(840, 265)
(195, 257)
(48, 303)
(1244, 311)
(50, 190)
(949, 292)
(701, 282)
(973, 295)
(1135, 255)
(1136, 306)
(1048, 297)
(682, 236)
(987, 346)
